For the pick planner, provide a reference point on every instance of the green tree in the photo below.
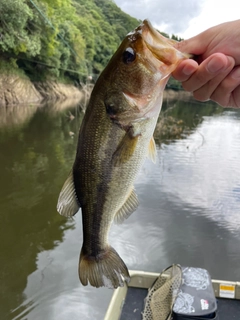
(67, 39)
(16, 32)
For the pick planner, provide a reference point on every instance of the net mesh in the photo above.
(162, 295)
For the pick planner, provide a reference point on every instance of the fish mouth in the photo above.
(161, 47)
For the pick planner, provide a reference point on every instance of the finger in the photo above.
(206, 91)
(227, 93)
(196, 45)
(199, 44)
(207, 70)
(185, 69)
(234, 101)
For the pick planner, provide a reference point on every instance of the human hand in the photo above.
(217, 76)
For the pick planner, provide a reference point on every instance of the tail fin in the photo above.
(107, 269)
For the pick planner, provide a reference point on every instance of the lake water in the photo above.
(189, 209)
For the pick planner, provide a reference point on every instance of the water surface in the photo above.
(189, 209)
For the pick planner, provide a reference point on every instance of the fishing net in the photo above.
(162, 295)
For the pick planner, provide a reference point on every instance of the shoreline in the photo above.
(16, 90)
(171, 94)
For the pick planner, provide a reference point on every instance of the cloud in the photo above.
(169, 16)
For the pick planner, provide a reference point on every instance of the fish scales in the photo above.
(110, 181)
(115, 137)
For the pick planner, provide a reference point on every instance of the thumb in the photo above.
(196, 45)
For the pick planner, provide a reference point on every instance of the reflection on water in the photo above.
(188, 213)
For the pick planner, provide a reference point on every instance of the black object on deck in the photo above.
(228, 309)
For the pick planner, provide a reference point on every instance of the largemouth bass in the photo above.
(115, 137)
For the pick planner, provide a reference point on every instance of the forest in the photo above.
(64, 40)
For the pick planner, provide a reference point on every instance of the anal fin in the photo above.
(67, 203)
(128, 208)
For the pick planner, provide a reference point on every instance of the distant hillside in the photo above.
(60, 39)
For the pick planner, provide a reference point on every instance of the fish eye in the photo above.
(129, 55)
(110, 109)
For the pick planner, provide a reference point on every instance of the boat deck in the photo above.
(127, 303)
(133, 306)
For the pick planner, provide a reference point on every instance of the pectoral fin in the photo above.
(67, 203)
(126, 148)
(152, 151)
(128, 208)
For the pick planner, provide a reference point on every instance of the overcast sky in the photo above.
(185, 18)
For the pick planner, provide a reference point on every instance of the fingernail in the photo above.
(188, 70)
(214, 66)
(235, 73)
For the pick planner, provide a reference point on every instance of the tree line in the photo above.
(60, 39)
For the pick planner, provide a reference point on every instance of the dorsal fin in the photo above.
(152, 151)
(128, 208)
(67, 203)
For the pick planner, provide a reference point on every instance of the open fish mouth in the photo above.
(161, 47)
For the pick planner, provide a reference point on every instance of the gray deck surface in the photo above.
(134, 304)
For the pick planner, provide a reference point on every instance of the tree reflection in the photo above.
(36, 154)
(179, 118)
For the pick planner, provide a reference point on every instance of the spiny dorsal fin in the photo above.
(152, 151)
(125, 148)
(128, 208)
(67, 204)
